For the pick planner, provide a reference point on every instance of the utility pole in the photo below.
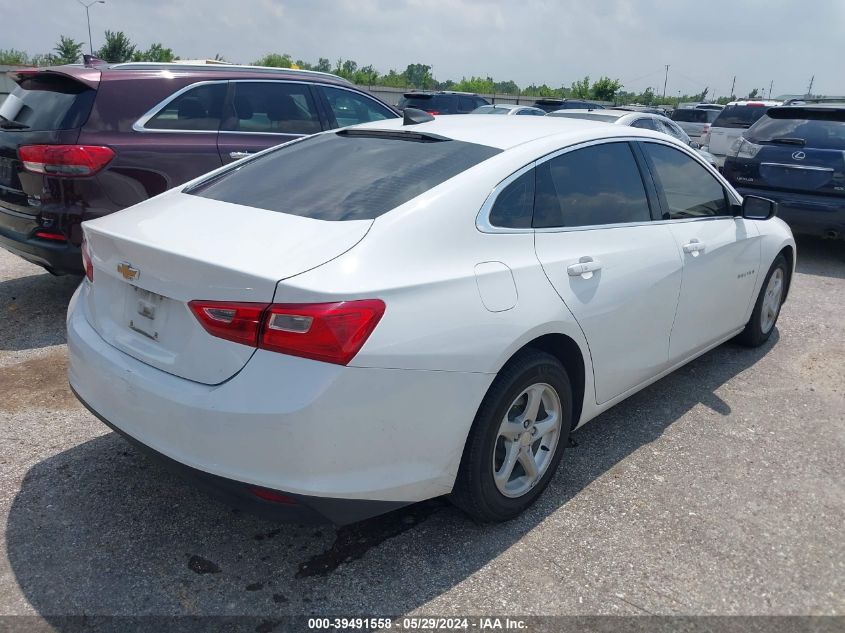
(771, 83)
(665, 81)
(88, 18)
(733, 85)
(810, 88)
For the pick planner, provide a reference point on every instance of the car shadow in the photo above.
(99, 529)
(816, 256)
(32, 310)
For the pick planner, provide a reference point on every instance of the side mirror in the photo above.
(694, 145)
(757, 208)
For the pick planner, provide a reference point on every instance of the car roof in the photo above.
(509, 132)
(755, 102)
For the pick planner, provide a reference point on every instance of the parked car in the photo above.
(550, 105)
(728, 126)
(709, 106)
(638, 119)
(794, 155)
(638, 108)
(695, 121)
(442, 101)
(81, 142)
(509, 109)
(348, 336)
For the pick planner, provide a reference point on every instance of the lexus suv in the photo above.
(79, 142)
(796, 156)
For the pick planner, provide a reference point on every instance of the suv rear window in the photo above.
(48, 102)
(739, 116)
(819, 130)
(346, 175)
(690, 115)
(437, 103)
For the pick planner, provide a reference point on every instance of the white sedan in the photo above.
(374, 316)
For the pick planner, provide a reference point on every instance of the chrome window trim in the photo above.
(139, 125)
(482, 220)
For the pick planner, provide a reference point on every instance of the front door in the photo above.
(617, 271)
(721, 253)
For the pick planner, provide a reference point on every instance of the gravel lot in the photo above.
(718, 490)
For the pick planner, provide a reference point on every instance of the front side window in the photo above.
(350, 108)
(600, 184)
(199, 108)
(273, 108)
(515, 204)
(346, 175)
(689, 190)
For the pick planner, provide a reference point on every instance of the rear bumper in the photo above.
(347, 443)
(806, 213)
(59, 257)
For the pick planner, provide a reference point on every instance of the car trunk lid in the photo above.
(151, 260)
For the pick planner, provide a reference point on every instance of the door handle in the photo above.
(585, 268)
(237, 155)
(694, 247)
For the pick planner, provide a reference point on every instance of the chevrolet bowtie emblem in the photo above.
(129, 273)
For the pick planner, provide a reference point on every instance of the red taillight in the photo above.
(86, 261)
(65, 160)
(328, 332)
(433, 111)
(238, 322)
(46, 235)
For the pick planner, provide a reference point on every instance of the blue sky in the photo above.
(706, 42)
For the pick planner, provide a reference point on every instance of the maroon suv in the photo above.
(80, 142)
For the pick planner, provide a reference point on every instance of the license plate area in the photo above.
(146, 312)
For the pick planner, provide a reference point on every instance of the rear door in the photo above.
(615, 269)
(720, 252)
(262, 114)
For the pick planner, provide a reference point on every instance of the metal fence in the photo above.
(392, 95)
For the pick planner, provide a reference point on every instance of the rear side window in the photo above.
(515, 204)
(199, 108)
(739, 116)
(272, 108)
(825, 131)
(351, 108)
(345, 175)
(48, 102)
(600, 184)
(689, 190)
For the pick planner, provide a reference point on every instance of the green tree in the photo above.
(581, 89)
(117, 48)
(13, 57)
(419, 75)
(275, 60)
(366, 76)
(155, 53)
(393, 80)
(506, 87)
(754, 94)
(480, 85)
(68, 51)
(323, 65)
(605, 89)
(303, 65)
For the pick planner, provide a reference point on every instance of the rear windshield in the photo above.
(824, 130)
(689, 115)
(440, 103)
(348, 175)
(48, 102)
(739, 116)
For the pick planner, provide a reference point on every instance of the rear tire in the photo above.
(524, 419)
(767, 308)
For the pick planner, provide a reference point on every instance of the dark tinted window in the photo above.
(689, 189)
(351, 108)
(690, 115)
(514, 205)
(430, 103)
(646, 124)
(467, 104)
(739, 116)
(200, 108)
(600, 184)
(667, 127)
(272, 107)
(46, 102)
(343, 176)
(825, 131)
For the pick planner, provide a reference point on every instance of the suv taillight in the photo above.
(86, 261)
(65, 160)
(328, 332)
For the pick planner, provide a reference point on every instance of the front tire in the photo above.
(517, 439)
(767, 308)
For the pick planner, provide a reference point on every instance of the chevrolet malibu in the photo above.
(370, 317)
